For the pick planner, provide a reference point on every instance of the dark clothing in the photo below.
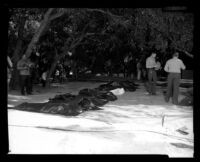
(43, 83)
(152, 78)
(25, 84)
(32, 78)
(173, 81)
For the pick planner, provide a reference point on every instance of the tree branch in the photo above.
(104, 12)
(38, 33)
(55, 16)
(80, 38)
(186, 53)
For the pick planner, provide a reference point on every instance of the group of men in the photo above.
(173, 67)
(24, 66)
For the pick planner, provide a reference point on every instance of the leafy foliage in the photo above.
(111, 33)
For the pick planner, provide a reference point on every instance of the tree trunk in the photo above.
(15, 80)
(17, 54)
(39, 32)
(15, 73)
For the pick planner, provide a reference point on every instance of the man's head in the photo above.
(176, 54)
(153, 54)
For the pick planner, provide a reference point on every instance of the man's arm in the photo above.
(182, 65)
(166, 68)
(20, 66)
(9, 62)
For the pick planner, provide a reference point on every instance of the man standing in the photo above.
(31, 76)
(24, 71)
(152, 77)
(9, 70)
(139, 69)
(44, 78)
(173, 66)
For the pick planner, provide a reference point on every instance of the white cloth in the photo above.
(57, 73)
(118, 91)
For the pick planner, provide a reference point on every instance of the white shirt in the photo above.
(174, 65)
(44, 75)
(150, 62)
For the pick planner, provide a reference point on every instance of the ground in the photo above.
(136, 123)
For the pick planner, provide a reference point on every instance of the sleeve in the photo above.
(155, 63)
(20, 66)
(147, 63)
(9, 62)
(182, 65)
(166, 68)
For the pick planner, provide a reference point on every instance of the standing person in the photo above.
(31, 76)
(158, 69)
(24, 71)
(173, 66)
(139, 70)
(9, 70)
(57, 74)
(108, 67)
(152, 76)
(44, 78)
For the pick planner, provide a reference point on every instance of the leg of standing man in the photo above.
(176, 83)
(28, 84)
(154, 77)
(22, 83)
(169, 87)
(138, 74)
(150, 83)
(32, 78)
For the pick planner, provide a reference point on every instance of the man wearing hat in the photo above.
(173, 66)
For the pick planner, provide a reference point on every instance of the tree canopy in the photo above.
(98, 33)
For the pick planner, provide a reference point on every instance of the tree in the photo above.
(21, 27)
(108, 32)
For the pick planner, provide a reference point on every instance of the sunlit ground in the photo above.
(134, 124)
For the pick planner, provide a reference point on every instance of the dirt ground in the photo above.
(136, 123)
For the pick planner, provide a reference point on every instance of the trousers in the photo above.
(25, 83)
(173, 82)
(152, 78)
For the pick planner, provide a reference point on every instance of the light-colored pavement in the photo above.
(134, 124)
